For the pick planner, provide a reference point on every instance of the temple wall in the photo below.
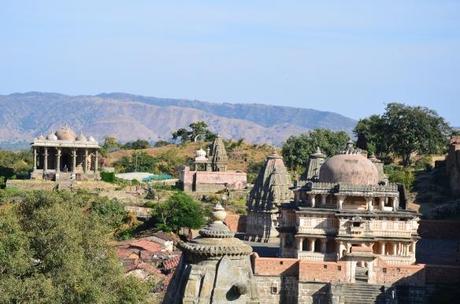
(453, 165)
(208, 181)
(261, 227)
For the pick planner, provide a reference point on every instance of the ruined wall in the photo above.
(207, 181)
(453, 165)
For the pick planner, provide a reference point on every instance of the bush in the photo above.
(108, 177)
(400, 175)
(180, 210)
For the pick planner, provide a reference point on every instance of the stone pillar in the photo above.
(85, 167)
(382, 248)
(339, 247)
(312, 199)
(369, 204)
(35, 158)
(58, 162)
(299, 244)
(96, 161)
(340, 200)
(74, 160)
(45, 162)
(311, 242)
(395, 249)
(323, 199)
(323, 245)
(381, 203)
(395, 204)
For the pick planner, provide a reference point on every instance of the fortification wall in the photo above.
(453, 165)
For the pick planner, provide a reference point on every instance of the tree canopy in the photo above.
(297, 149)
(180, 210)
(54, 250)
(402, 131)
(197, 131)
(137, 144)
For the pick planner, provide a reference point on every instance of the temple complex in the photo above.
(272, 188)
(345, 237)
(209, 172)
(64, 155)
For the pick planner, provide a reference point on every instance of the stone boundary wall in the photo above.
(30, 184)
(275, 266)
(330, 272)
(413, 275)
(439, 229)
(442, 274)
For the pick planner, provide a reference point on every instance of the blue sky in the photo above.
(350, 57)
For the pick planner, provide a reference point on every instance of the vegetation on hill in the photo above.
(14, 165)
(54, 248)
(197, 131)
(403, 131)
(297, 149)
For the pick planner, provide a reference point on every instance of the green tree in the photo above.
(297, 149)
(110, 144)
(180, 210)
(197, 131)
(137, 144)
(139, 161)
(52, 251)
(404, 130)
(15, 165)
(371, 135)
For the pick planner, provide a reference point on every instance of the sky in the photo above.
(350, 57)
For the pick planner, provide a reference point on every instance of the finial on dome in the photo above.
(218, 213)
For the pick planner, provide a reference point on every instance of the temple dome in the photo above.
(91, 139)
(51, 136)
(66, 133)
(349, 168)
(81, 137)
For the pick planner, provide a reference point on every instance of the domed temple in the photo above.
(348, 211)
(65, 155)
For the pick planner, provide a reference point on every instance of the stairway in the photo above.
(363, 293)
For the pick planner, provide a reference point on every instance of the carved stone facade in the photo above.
(209, 172)
(349, 213)
(64, 155)
(271, 189)
(215, 268)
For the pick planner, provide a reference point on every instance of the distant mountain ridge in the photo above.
(128, 117)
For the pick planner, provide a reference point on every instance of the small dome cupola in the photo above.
(66, 133)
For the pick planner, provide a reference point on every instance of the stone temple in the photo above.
(271, 189)
(209, 172)
(215, 268)
(64, 155)
(345, 237)
(349, 212)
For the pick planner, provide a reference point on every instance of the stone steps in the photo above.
(362, 293)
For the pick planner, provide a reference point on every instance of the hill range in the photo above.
(24, 116)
